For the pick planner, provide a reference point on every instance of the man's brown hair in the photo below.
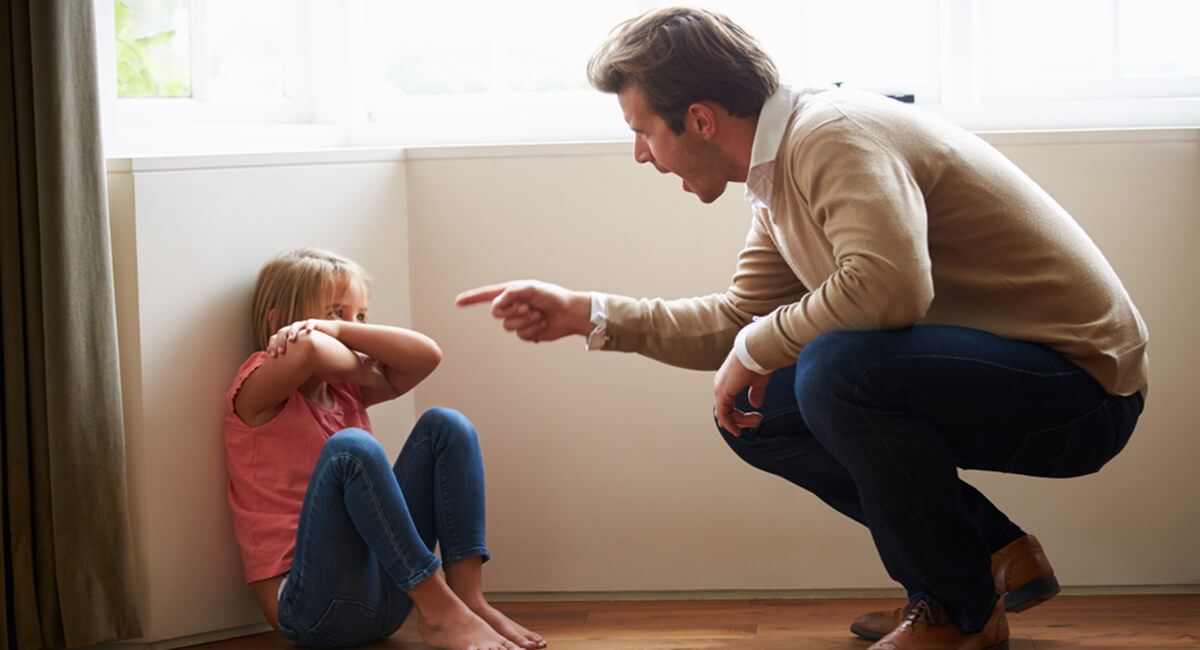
(678, 56)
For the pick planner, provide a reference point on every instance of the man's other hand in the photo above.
(730, 380)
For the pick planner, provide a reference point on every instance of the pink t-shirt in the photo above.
(269, 467)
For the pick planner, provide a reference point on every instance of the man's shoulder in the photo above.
(813, 109)
(845, 120)
(825, 123)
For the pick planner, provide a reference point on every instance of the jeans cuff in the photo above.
(417, 578)
(449, 558)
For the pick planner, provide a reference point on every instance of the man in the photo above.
(908, 302)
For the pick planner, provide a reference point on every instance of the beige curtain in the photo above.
(66, 569)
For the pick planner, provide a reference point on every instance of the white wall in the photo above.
(604, 470)
(188, 243)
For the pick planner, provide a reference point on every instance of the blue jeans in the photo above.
(875, 424)
(367, 529)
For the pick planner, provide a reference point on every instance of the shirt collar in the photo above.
(768, 134)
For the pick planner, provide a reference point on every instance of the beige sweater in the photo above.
(884, 216)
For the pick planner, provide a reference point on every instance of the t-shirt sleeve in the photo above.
(255, 361)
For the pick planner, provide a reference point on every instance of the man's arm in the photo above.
(862, 237)
(698, 333)
(694, 333)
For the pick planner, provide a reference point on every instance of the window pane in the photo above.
(864, 43)
(153, 48)
(1158, 38)
(1035, 40)
(550, 41)
(426, 48)
(477, 46)
(247, 45)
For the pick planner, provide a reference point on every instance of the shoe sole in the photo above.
(1028, 595)
(869, 635)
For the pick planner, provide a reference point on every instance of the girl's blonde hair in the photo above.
(293, 284)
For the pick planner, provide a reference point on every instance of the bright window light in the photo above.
(185, 76)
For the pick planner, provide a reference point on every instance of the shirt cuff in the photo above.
(743, 355)
(599, 319)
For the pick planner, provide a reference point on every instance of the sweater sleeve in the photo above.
(856, 203)
(698, 332)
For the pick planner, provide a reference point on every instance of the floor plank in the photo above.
(1145, 622)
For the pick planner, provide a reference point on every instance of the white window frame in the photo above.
(330, 100)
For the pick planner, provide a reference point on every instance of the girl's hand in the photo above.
(277, 344)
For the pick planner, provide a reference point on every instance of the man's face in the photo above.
(696, 160)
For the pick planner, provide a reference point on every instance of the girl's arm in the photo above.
(407, 356)
(385, 361)
(295, 355)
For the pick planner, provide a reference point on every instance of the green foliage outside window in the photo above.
(140, 73)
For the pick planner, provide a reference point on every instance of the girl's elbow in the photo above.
(431, 351)
(434, 355)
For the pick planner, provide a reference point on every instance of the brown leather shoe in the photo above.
(926, 627)
(1022, 573)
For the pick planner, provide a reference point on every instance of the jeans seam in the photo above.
(451, 533)
(954, 357)
(375, 504)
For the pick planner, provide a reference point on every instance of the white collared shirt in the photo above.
(768, 135)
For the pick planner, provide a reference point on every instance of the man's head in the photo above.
(677, 57)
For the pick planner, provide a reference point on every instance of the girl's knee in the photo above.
(353, 441)
(447, 424)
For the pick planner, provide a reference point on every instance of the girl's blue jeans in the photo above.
(368, 529)
(876, 425)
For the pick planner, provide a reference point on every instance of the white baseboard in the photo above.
(803, 594)
(190, 640)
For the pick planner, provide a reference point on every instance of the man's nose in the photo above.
(641, 152)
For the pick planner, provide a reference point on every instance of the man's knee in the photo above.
(827, 362)
(760, 448)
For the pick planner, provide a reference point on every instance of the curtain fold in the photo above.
(67, 570)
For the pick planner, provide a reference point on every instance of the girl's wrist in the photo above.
(330, 327)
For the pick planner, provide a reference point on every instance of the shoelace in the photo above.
(924, 612)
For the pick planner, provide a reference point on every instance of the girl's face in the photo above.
(348, 303)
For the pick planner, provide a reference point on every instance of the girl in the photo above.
(336, 543)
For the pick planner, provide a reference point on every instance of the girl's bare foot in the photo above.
(446, 622)
(461, 631)
(504, 625)
(465, 578)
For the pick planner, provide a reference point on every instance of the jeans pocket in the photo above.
(345, 623)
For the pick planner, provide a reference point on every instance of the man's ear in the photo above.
(701, 119)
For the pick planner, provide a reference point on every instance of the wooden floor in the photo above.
(1127, 622)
